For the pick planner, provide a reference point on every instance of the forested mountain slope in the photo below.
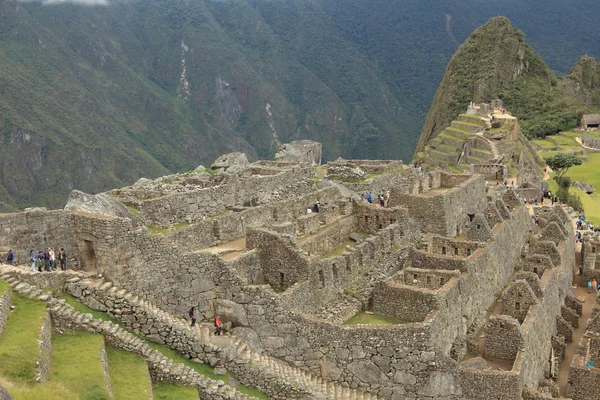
(96, 97)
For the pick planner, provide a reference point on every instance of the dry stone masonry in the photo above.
(477, 285)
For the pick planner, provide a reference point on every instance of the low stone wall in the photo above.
(590, 141)
(42, 366)
(5, 301)
(4, 395)
(447, 246)
(490, 385)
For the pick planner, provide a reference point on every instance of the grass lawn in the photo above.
(19, 349)
(563, 140)
(165, 391)
(545, 144)
(373, 319)
(129, 375)
(47, 391)
(77, 364)
(570, 134)
(3, 287)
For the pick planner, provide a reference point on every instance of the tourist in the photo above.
(218, 326)
(308, 210)
(32, 260)
(46, 260)
(589, 285)
(38, 262)
(10, 258)
(370, 197)
(62, 259)
(317, 206)
(595, 285)
(52, 257)
(192, 315)
(362, 197)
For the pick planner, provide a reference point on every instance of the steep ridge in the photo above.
(494, 56)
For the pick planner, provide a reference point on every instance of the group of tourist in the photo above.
(382, 199)
(46, 260)
(593, 285)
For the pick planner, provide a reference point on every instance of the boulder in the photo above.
(226, 161)
(142, 182)
(200, 168)
(346, 173)
(96, 204)
(304, 151)
(250, 337)
(230, 311)
(589, 189)
(366, 371)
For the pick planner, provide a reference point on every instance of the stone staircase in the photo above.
(161, 367)
(232, 348)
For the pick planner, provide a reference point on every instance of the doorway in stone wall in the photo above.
(89, 256)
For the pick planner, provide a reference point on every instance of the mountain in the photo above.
(496, 62)
(95, 97)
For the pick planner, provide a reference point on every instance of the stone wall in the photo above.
(503, 337)
(408, 303)
(517, 299)
(5, 301)
(583, 381)
(238, 190)
(590, 141)
(447, 246)
(490, 385)
(444, 213)
(427, 278)
(42, 366)
(372, 219)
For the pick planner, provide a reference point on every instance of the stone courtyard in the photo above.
(477, 285)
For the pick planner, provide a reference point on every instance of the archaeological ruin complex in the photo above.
(478, 284)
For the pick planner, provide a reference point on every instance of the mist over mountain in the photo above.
(97, 96)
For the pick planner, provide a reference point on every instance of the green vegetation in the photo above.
(19, 349)
(373, 319)
(165, 391)
(46, 391)
(129, 375)
(3, 286)
(133, 210)
(82, 308)
(340, 249)
(77, 364)
(158, 230)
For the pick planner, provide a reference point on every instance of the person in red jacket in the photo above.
(218, 326)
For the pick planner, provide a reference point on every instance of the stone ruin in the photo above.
(480, 295)
(302, 151)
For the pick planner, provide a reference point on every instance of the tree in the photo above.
(560, 164)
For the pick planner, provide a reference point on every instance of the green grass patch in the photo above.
(46, 391)
(3, 287)
(129, 375)
(252, 392)
(339, 250)
(373, 319)
(165, 391)
(545, 144)
(19, 349)
(571, 134)
(158, 230)
(133, 210)
(77, 364)
(181, 225)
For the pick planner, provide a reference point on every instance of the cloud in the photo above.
(78, 2)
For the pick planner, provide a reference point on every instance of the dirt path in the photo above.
(578, 140)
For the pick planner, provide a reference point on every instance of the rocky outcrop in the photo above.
(585, 187)
(230, 311)
(305, 151)
(96, 204)
(231, 161)
(4, 394)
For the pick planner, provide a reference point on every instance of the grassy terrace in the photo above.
(165, 391)
(19, 341)
(129, 376)
(77, 365)
(365, 318)
(203, 369)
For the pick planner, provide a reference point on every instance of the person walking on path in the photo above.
(218, 326)
(62, 259)
(192, 315)
(589, 285)
(10, 258)
(38, 262)
(32, 260)
(595, 285)
(46, 260)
